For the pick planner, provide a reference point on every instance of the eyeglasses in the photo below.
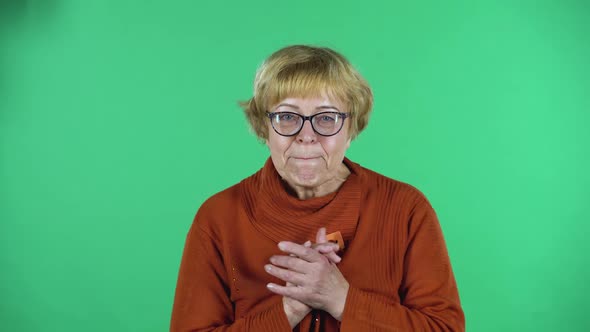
(290, 123)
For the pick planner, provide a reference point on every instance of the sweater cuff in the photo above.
(356, 307)
(363, 309)
(274, 319)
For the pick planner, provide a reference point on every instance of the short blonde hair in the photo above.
(306, 71)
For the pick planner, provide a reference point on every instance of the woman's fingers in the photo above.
(329, 250)
(326, 247)
(287, 291)
(307, 254)
(321, 235)
(292, 263)
(290, 276)
(333, 257)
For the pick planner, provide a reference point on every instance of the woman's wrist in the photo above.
(294, 316)
(339, 302)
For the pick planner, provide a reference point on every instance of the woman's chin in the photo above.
(307, 180)
(303, 178)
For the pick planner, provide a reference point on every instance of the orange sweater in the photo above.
(395, 259)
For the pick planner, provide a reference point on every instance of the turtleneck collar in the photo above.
(282, 217)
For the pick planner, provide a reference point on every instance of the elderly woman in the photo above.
(258, 256)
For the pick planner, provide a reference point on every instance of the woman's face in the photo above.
(308, 160)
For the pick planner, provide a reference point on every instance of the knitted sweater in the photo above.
(395, 258)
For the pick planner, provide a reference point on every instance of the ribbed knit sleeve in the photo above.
(202, 301)
(428, 293)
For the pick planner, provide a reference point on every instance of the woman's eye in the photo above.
(286, 117)
(327, 118)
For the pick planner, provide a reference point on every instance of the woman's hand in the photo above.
(313, 278)
(296, 310)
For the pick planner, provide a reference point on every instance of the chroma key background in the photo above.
(119, 118)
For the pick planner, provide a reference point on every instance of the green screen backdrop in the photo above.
(119, 118)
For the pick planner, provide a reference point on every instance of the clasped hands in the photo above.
(313, 281)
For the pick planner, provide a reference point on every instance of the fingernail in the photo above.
(282, 245)
(270, 285)
(267, 268)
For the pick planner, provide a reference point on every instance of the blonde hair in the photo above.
(306, 71)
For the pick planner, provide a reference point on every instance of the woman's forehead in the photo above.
(311, 103)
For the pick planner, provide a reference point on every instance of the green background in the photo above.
(118, 118)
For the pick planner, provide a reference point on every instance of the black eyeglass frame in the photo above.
(306, 118)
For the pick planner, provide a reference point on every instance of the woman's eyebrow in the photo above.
(327, 107)
(288, 105)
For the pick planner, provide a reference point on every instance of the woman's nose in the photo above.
(306, 134)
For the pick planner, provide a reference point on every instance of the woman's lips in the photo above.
(305, 158)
